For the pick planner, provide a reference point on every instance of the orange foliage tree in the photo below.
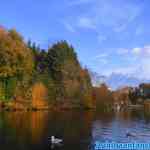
(39, 95)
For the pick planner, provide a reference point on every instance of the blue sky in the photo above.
(108, 35)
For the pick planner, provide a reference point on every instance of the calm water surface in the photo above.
(30, 130)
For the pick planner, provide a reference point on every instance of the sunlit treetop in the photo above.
(16, 58)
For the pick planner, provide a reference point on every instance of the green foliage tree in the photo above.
(72, 82)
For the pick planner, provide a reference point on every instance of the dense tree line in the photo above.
(24, 65)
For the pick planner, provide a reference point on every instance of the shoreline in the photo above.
(9, 108)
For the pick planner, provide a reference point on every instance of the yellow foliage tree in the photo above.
(39, 95)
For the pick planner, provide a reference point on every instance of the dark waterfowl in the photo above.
(129, 134)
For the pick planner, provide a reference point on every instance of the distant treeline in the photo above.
(25, 68)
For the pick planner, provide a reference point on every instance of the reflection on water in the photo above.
(30, 130)
(29, 124)
(38, 125)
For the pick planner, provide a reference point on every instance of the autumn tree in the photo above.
(71, 81)
(103, 97)
(14, 55)
(56, 71)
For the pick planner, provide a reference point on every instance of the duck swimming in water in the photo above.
(55, 142)
(129, 134)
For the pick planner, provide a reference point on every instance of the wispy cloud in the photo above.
(128, 70)
(113, 20)
(69, 27)
(123, 51)
(140, 62)
(101, 58)
(134, 62)
(142, 51)
(103, 55)
(136, 51)
(144, 70)
(109, 16)
(85, 22)
(114, 14)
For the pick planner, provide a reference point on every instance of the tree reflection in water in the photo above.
(27, 125)
(78, 129)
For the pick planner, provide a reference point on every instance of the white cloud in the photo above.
(102, 58)
(103, 17)
(139, 67)
(142, 51)
(114, 14)
(69, 27)
(123, 51)
(103, 55)
(104, 61)
(128, 70)
(110, 17)
(133, 62)
(145, 69)
(117, 15)
(137, 51)
(85, 22)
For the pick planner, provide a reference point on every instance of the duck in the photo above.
(56, 141)
(128, 134)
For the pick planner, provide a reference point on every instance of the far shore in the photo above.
(55, 108)
(137, 106)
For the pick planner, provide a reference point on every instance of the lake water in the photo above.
(79, 130)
